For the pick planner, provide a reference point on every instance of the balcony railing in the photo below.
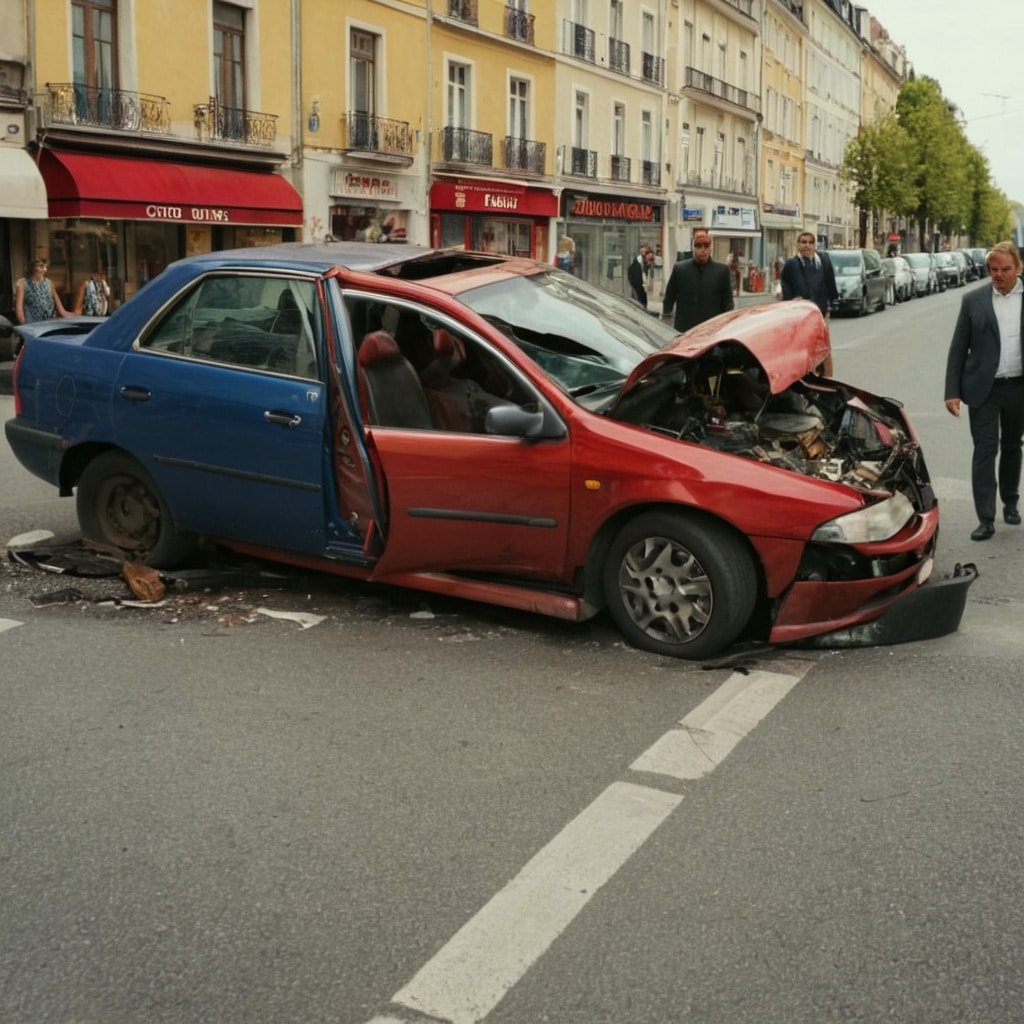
(372, 134)
(464, 10)
(67, 103)
(621, 168)
(651, 173)
(216, 123)
(462, 145)
(716, 87)
(746, 6)
(578, 40)
(716, 180)
(583, 162)
(518, 25)
(653, 68)
(618, 56)
(525, 155)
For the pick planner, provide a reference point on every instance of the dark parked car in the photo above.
(486, 427)
(950, 269)
(973, 271)
(980, 257)
(860, 280)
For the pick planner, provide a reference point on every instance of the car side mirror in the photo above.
(514, 421)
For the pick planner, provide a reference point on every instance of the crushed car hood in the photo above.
(787, 339)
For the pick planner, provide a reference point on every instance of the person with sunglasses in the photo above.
(698, 288)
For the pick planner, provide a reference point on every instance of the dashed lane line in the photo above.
(470, 975)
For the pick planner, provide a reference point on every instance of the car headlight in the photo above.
(867, 525)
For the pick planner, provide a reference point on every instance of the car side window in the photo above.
(416, 370)
(257, 322)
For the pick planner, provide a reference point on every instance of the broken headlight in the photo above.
(868, 525)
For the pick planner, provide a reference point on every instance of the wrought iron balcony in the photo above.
(716, 87)
(67, 103)
(618, 56)
(525, 155)
(215, 123)
(583, 162)
(372, 134)
(746, 6)
(518, 25)
(651, 172)
(653, 68)
(578, 40)
(462, 145)
(464, 10)
(621, 168)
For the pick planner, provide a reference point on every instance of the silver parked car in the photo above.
(899, 280)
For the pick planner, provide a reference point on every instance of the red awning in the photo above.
(128, 188)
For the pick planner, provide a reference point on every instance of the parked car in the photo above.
(980, 259)
(926, 278)
(973, 271)
(899, 279)
(860, 280)
(486, 427)
(951, 270)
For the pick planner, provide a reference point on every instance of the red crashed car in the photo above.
(485, 427)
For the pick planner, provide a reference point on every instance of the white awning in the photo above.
(22, 191)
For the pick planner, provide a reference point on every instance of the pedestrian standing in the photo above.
(984, 369)
(697, 288)
(94, 295)
(810, 275)
(35, 297)
(637, 274)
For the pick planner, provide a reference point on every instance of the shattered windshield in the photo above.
(581, 336)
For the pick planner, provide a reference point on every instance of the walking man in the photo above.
(637, 274)
(698, 288)
(810, 275)
(985, 371)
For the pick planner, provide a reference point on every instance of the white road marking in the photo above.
(6, 624)
(709, 733)
(467, 978)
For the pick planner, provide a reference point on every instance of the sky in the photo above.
(975, 51)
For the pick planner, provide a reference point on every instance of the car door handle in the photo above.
(135, 394)
(287, 419)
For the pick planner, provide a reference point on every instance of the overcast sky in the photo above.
(975, 50)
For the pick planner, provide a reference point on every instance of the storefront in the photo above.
(371, 206)
(735, 238)
(132, 216)
(22, 200)
(492, 216)
(782, 225)
(603, 233)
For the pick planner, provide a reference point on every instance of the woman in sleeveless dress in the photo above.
(35, 297)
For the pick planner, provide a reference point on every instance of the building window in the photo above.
(229, 65)
(518, 108)
(94, 53)
(619, 129)
(458, 96)
(363, 71)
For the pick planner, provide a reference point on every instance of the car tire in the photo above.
(678, 585)
(119, 506)
(864, 308)
(889, 298)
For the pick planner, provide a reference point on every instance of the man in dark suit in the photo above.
(699, 288)
(810, 275)
(637, 274)
(984, 369)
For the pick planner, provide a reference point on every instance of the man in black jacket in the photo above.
(699, 288)
(985, 370)
(637, 274)
(810, 275)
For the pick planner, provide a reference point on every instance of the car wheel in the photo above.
(678, 586)
(889, 298)
(863, 311)
(119, 506)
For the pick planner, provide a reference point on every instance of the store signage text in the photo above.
(366, 186)
(612, 208)
(200, 214)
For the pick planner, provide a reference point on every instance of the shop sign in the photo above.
(613, 209)
(739, 217)
(780, 210)
(191, 214)
(693, 213)
(491, 197)
(363, 186)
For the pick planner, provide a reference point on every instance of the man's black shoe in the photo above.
(983, 530)
(1011, 514)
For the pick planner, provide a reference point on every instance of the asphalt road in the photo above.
(418, 810)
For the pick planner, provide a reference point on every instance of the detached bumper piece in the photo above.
(929, 612)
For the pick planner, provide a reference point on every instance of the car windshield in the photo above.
(845, 263)
(580, 336)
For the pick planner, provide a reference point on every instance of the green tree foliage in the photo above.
(878, 165)
(940, 158)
